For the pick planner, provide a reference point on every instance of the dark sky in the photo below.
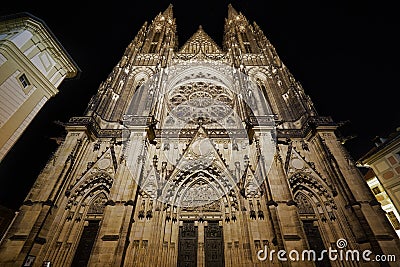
(344, 53)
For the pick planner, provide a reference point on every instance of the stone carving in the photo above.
(303, 204)
(98, 204)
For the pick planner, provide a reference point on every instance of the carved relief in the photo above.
(98, 204)
(100, 181)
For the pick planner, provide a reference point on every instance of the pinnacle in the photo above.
(168, 11)
(231, 11)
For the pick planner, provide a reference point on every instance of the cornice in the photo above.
(88, 123)
(11, 50)
(311, 124)
(40, 30)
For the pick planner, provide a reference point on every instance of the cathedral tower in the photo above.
(198, 155)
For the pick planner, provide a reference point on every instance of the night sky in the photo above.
(344, 53)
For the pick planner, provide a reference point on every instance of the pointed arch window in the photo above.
(156, 36)
(304, 205)
(247, 48)
(153, 47)
(154, 42)
(98, 204)
(244, 37)
(246, 42)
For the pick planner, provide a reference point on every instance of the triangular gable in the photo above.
(106, 162)
(99, 174)
(297, 163)
(199, 154)
(200, 42)
(200, 175)
(151, 183)
(249, 185)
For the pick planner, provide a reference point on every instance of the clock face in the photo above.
(297, 164)
(104, 163)
(202, 147)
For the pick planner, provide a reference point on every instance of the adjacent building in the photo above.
(384, 175)
(33, 64)
(6, 217)
(199, 154)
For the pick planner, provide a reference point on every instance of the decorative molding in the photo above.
(310, 125)
(93, 127)
(110, 237)
(19, 237)
(292, 237)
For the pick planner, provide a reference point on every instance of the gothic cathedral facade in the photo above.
(198, 155)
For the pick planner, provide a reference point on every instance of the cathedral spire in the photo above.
(168, 12)
(232, 13)
(160, 34)
(157, 38)
(238, 36)
(243, 40)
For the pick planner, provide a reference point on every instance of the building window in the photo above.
(153, 47)
(154, 42)
(24, 81)
(247, 47)
(376, 190)
(246, 42)
(156, 36)
(244, 37)
(393, 219)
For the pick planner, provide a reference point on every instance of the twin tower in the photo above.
(200, 155)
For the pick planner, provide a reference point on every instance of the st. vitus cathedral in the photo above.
(200, 155)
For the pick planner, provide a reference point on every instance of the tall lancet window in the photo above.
(246, 42)
(154, 42)
(90, 230)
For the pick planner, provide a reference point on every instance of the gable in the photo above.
(200, 42)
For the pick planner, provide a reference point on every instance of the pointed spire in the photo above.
(249, 184)
(168, 12)
(232, 13)
(152, 182)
